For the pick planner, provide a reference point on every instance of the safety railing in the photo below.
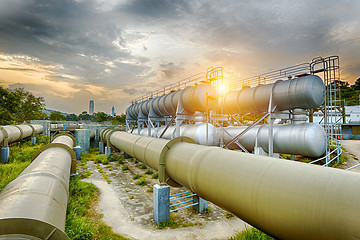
(270, 77)
(184, 195)
(189, 81)
(331, 155)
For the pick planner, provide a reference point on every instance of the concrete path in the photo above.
(352, 151)
(116, 216)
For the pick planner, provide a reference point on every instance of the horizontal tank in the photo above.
(306, 92)
(307, 139)
(193, 98)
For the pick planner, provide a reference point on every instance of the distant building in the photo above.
(91, 107)
(113, 111)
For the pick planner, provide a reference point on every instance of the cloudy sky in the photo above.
(71, 51)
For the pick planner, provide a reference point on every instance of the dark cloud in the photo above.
(158, 8)
(141, 45)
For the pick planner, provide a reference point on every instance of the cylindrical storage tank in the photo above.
(307, 139)
(33, 206)
(305, 92)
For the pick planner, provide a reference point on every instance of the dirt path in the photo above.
(352, 152)
(127, 208)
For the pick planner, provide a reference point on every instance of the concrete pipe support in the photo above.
(286, 199)
(305, 92)
(33, 206)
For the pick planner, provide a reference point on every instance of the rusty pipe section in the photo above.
(306, 92)
(33, 206)
(13, 133)
(286, 199)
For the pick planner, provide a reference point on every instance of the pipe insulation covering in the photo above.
(286, 199)
(33, 206)
(193, 98)
(306, 92)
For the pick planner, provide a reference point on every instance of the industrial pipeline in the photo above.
(193, 98)
(286, 199)
(13, 133)
(33, 206)
(305, 92)
(306, 139)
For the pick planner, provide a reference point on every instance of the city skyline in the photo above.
(114, 51)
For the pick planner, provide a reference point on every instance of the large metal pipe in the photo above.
(306, 92)
(12, 133)
(307, 139)
(286, 199)
(193, 98)
(33, 206)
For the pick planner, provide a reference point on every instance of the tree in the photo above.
(350, 93)
(119, 119)
(30, 106)
(101, 117)
(57, 116)
(9, 105)
(72, 117)
(85, 116)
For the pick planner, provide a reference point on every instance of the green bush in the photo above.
(149, 172)
(155, 176)
(101, 159)
(125, 167)
(251, 234)
(142, 181)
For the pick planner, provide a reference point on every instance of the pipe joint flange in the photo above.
(5, 141)
(21, 132)
(163, 177)
(33, 130)
(61, 145)
(66, 134)
(108, 134)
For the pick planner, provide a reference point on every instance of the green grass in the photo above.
(125, 168)
(251, 234)
(136, 176)
(82, 221)
(19, 159)
(101, 159)
(142, 181)
(169, 223)
(149, 172)
(155, 176)
(8, 172)
(143, 166)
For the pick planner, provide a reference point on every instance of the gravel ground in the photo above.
(352, 152)
(127, 207)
